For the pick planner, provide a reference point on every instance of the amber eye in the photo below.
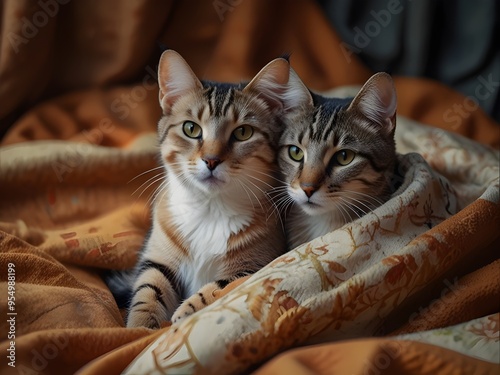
(191, 129)
(344, 157)
(295, 153)
(243, 132)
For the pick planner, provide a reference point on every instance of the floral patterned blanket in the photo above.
(347, 283)
(416, 276)
(411, 288)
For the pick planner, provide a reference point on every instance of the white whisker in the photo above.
(351, 206)
(161, 177)
(345, 214)
(143, 173)
(262, 191)
(258, 179)
(160, 188)
(363, 203)
(162, 174)
(375, 199)
(246, 191)
(253, 169)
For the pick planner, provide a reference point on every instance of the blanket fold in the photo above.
(344, 284)
(79, 169)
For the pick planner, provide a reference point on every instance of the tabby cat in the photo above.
(337, 156)
(213, 221)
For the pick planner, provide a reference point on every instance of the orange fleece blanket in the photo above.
(412, 288)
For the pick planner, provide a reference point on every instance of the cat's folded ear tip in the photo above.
(280, 61)
(285, 56)
(169, 53)
(382, 76)
(278, 69)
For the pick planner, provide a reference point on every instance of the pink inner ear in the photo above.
(377, 99)
(387, 95)
(175, 79)
(271, 82)
(279, 70)
(280, 86)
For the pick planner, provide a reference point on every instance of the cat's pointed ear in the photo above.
(377, 101)
(297, 95)
(280, 87)
(175, 79)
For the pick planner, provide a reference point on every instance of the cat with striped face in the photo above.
(213, 220)
(337, 156)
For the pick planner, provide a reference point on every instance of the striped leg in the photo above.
(154, 297)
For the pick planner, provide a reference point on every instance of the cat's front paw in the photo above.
(143, 318)
(149, 313)
(193, 304)
(188, 307)
(204, 297)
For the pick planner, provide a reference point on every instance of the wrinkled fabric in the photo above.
(345, 284)
(79, 112)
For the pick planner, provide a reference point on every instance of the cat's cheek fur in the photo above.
(298, 195)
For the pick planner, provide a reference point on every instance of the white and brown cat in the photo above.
(337, 157)
(213, 221)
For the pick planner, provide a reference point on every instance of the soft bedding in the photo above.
(410, 288)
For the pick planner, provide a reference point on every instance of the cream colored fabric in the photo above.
(78, 96)
(344, 284)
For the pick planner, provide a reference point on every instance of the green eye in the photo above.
(344, 157)
(295, 153)
(243, 132)
(191, 129)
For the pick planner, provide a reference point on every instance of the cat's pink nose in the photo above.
(212, 162)
(309, 189)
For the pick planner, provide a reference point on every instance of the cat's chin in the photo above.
(211, 184)
(313, 209)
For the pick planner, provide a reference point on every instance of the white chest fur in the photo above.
(206, 223)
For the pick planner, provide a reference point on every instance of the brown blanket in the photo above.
(70, 206)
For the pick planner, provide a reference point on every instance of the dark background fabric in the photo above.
(68, 209)
(455, 42)
(85, 44)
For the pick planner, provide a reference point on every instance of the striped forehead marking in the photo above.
(323, 123)
(219, 100)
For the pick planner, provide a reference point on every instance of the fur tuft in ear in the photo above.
(280, 87)
(175, 79)
(297, 94)
(377, 100)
